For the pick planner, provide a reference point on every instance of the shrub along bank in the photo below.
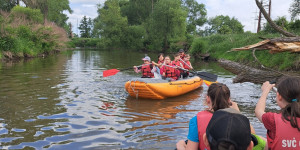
(25, 33)
(218, 46)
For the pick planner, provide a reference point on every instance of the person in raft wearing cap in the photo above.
(218, 97)
(146, 68)
(181, 53)
(283, 128)
(228, 130)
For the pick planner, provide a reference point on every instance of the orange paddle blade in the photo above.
(110, 72)
(208, 83)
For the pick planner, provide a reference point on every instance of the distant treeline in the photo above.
(159, 25)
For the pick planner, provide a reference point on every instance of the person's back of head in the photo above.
(219, 94)
(228, 130)
(289, 90)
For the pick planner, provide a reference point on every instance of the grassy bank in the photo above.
(219, 45)
(25, 33)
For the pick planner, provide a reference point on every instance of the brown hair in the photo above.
(219, 94)
(176, 55)
(289, 90)
(160, 54)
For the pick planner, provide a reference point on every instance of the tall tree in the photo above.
(110, 24)
(53, 10)
(270, 21)
(7, 5)
(137, 11)
(224, 25)
(280, 21)
(295, 9)
(196, 15)
(168, 22)
(85, 27)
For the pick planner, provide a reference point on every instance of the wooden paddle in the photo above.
(112, 72)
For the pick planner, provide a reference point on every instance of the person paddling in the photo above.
(159, 63)
(146, 68)
(168, 70)
(181, 53)
(283, 128)
(186, 65)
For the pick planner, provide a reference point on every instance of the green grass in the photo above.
(219, 45)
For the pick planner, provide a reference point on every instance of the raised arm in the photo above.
(261, 104)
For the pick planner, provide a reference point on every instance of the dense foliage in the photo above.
(24, 33)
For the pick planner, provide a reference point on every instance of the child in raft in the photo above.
(186, 65)
(283, 128)
(146, 68)
(159, 63)
(168, 70)
(218, 97)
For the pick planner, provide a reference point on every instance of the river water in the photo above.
(63, 102)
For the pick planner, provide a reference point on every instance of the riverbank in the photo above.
(24, 33)
(218, 47)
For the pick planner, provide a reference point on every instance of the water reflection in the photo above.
(63, 102)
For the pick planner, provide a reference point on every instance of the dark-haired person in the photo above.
(218, 97)
(146, 68)
(181, 53)
(159, 63)
(228, 130)
(283, 128)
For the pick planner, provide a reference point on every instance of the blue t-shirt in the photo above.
(193, 130)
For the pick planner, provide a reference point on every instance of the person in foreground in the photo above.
(146, 68)
(228, 130)
(218, 97)
(283, 128)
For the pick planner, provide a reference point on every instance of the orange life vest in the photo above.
(286, 137)
(203, 118)
(146, 71)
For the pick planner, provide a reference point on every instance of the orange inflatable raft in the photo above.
(152, 88)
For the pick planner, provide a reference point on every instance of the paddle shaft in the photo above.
(136, 66)
(188, 66)
(175, 67)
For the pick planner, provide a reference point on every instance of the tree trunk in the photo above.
(276, 27)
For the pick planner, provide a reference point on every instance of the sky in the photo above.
(245, 11)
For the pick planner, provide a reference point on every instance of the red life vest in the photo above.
(187, 66)
(182, 57)
(177, 63)
(160, 62)
(170, 72)
(203, 118)
(146, 71)
(286, 137)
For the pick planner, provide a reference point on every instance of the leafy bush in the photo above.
(199, 45)
(33, 15)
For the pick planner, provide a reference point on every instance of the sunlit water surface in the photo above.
(63, 102)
